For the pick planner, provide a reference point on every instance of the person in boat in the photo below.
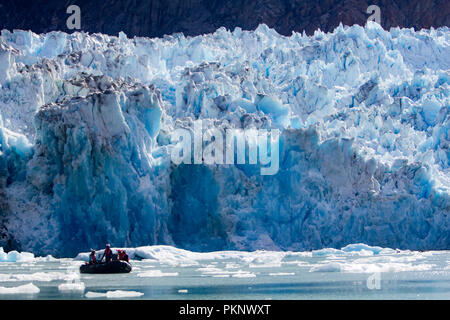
(120, 253)
(123, 256)
(92, 257)
(107, 254)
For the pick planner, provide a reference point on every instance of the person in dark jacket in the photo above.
(125, 256)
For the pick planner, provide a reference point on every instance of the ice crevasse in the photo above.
(85, 140)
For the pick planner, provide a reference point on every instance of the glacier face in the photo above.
(85, 124)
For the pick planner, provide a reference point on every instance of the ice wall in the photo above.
(364, 147)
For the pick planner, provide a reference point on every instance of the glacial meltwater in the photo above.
(162, 272)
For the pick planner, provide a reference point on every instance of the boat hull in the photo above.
(110, 267)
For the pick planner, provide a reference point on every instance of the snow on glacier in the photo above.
(364, 149)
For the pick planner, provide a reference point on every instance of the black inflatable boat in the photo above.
(116, 266)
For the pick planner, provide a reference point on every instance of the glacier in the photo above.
(85, 140)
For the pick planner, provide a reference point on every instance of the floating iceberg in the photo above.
(71, 287)
(156, 274)
(23, 289)
(86, 123)
(355, 267)
(119, 294)
(39, 276)
(15, 256)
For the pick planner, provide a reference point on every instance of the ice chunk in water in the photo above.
(23, 289)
